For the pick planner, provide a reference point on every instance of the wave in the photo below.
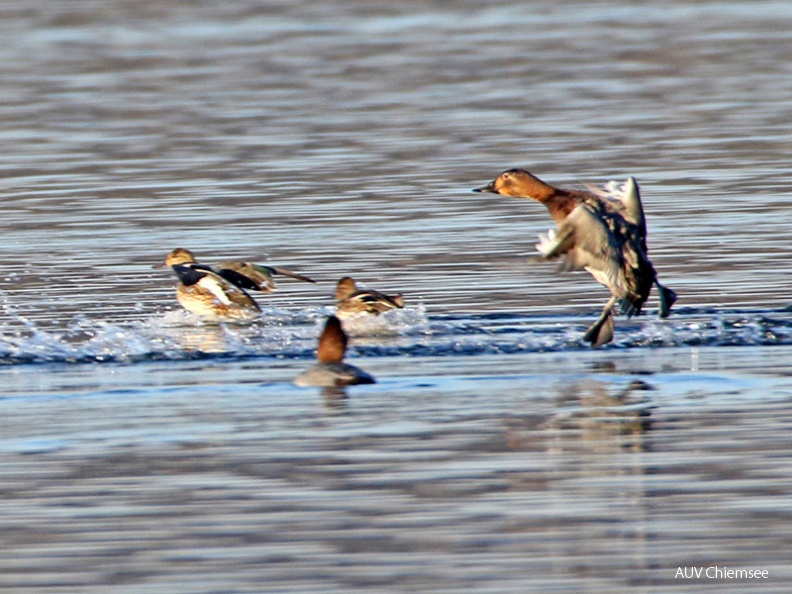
(410, 332)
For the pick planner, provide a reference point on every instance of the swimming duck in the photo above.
(352, 300)
(602, 232)
(330, 369)
(221, 294)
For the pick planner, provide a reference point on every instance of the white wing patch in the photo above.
(216, 286)
(547, 244)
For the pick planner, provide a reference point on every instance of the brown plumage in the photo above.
(330, 369)
(258, 275)
(332, 342)
(204, 292)
(352, 300)
(603, 233)
(221, 294)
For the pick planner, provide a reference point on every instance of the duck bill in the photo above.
(490, 187)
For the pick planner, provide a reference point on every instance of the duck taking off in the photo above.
(601, 231)
(220, 293)
(353, 300)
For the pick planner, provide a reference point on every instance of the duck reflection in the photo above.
(335, 398)
(590, 412)
(201, 339)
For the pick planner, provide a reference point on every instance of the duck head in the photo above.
(515, 182)
(332, 342)
(177, 257)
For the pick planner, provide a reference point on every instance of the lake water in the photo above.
(143, 451)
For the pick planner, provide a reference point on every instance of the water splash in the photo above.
(281, 334)
(395, 322)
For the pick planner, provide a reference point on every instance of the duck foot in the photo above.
(667, 299)
(601, 331)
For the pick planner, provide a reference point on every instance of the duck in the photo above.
(221, 293)
(352, 300)
(600, 230)
(330, 370)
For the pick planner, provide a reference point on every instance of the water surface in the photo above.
(144, 451)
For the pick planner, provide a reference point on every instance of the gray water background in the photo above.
(141, 451)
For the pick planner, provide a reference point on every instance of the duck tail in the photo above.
(667, 298)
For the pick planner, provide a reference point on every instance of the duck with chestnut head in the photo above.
(330, 370)
(601, 231)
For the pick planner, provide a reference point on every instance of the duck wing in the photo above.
(292, 274)
(377, 298)
(255, 277)
(625, 198)
(629, 197)
(586, 242)
(225, 292)
(372, 302)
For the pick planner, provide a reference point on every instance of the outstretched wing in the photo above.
(255, 277)
(292, 274)
(626, 198)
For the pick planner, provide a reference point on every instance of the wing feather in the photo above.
(587, 243)
(625, 198)
(257, 277)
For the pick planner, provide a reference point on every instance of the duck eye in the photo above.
(506, 175)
